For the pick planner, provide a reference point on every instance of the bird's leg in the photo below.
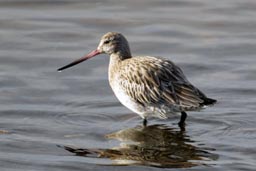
(182, 119)
(145, 122)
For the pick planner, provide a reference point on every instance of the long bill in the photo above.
(88, 56)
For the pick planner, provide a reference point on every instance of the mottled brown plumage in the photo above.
(149, 86)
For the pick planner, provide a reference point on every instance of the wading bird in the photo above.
(149, 86)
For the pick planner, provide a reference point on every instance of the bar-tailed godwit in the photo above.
(149, 86)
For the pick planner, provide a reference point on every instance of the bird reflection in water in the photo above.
(155, 145)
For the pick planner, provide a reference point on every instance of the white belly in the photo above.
(126, 100)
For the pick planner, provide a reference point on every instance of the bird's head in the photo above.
(110, 43)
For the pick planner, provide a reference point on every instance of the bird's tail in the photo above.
(209, 101)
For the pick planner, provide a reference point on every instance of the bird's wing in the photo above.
(154, 81)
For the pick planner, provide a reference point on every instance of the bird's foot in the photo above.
(145, 122)
(182, 121)
(182, 126)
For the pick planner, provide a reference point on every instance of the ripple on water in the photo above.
(213, 42)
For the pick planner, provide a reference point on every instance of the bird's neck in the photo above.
(120, 56)
(115, 63)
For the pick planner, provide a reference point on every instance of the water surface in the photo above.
(43, 112)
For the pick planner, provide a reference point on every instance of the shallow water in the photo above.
(43, 111)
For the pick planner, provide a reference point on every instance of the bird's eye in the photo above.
(106, 42)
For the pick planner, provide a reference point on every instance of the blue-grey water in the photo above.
(42, 112)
